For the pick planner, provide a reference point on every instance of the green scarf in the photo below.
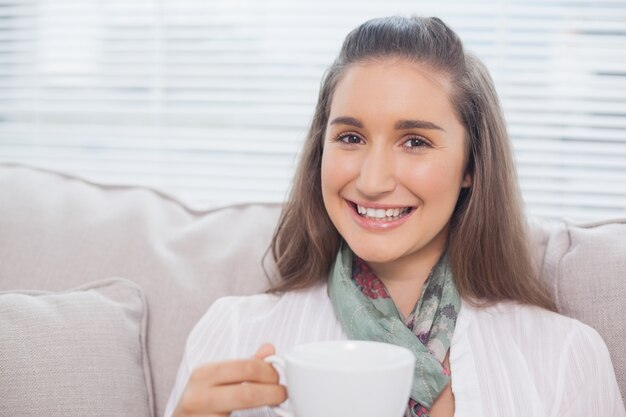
(427, 331)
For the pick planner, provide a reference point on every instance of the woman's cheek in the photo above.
(441, 173)
(338, 168)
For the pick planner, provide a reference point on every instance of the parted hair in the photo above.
(487, 243)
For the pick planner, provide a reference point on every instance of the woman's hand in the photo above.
(217, 389)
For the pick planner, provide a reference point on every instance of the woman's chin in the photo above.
(374, 255)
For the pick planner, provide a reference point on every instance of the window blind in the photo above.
(210, 100)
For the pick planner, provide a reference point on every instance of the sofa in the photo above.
(101, 284)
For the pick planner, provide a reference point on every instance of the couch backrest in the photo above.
(58, 232)
(585, 268)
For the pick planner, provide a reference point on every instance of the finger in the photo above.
(234, 372)
(264, 351)
(227, 398)
(194, 404)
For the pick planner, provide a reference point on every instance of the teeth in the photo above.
(389, 214)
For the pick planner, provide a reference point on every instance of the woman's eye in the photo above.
(414, 143)
(350, 139)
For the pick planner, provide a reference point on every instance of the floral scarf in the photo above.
(366, 312)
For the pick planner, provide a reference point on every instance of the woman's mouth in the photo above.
(387, 214)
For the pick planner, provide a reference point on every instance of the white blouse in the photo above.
(506, 360)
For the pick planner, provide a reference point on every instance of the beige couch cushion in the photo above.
(75, 353)
(585, 266)
(58, 232)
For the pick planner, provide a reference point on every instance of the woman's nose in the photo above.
(376, 174)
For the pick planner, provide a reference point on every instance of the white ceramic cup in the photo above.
(346, 378)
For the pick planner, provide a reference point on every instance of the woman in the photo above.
(405, 208)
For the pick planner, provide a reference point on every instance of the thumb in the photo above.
(264, 351)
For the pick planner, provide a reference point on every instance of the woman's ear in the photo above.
(467, 180)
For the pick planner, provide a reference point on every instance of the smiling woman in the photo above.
(404, 226)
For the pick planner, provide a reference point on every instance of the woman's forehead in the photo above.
(392, 86)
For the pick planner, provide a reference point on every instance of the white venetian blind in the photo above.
(209, 100)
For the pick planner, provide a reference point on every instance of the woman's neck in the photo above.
(404, 278)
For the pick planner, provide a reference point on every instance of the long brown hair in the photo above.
(487, 242)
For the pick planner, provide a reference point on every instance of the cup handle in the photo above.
(278, 363)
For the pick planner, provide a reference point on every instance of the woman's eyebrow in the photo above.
(417, 124)
(345, 120)
(400, 124)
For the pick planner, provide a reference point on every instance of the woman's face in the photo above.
(393, 162)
